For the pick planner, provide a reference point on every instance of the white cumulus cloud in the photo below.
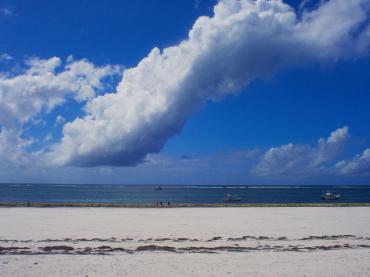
(45, 84)
(12, 148)
(300, 159)
(242, 41)
(37, 89)
(359, 165)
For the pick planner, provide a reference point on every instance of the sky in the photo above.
(185, 92)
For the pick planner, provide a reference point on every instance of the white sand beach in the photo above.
(312, 241)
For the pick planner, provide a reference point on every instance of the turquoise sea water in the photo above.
(147, 194)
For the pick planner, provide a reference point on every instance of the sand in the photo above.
(288, 241)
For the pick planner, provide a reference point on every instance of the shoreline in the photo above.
(176, 205)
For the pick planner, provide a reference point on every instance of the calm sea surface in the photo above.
(140, 194)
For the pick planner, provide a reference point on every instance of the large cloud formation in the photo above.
(242, 41)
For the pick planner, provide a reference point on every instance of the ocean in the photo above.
(148, 194)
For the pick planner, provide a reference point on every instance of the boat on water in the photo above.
(158, 188)
(232, 198)
(330, 196)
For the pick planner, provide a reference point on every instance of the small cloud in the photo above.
(303, 4)
(5, 57)
(38, 121)
(197, 4)
(309, 5)
(59, 120)
(48, 137)
(70, 59)
(6, 11)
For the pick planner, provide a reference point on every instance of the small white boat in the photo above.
(330, 196)
(158, 188)
(232, 198)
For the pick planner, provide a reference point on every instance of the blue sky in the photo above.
(245, 108)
